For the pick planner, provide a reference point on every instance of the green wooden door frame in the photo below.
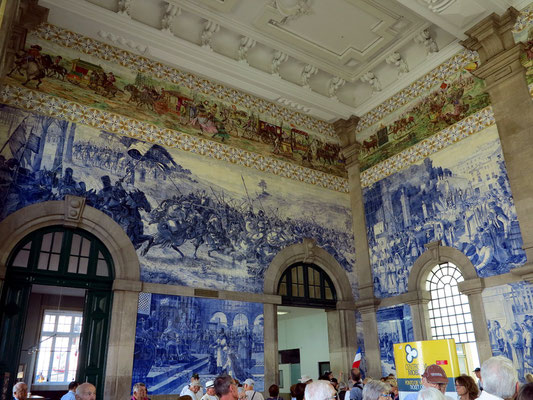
(16, 291)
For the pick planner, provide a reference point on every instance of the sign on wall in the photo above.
(412, 358)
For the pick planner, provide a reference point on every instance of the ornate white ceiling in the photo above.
(328, 58)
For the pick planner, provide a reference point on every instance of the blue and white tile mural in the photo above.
(457, 196)
(178, 336)
(509, 313)
(194, 221)
(395, 325)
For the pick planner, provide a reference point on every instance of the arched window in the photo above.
(307, 285)
(449, 310)
(65, 251)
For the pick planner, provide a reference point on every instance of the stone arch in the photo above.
(437, 254)
(71, 212)
(308, 252)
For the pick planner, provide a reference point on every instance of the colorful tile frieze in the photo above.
(523, 20)
(92, 73)
(446, 137)
(416, 89)
(60, 108)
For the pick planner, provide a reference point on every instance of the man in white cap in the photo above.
(251, 394)
(305, 379)
(209, 391)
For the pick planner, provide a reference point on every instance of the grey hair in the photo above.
(17, 385)
(373, 389)
(430, 394)
(499, 377)
(319, 390)
(137, 386)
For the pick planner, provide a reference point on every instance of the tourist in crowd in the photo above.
(433, 377)
(209, 391)
(394, 387)
(20, 391)
(192, 390)
(226, 388)
(273, 392)
(376, 390)
(477, 371)
(319, 390)
(356, 393)
(466, 388)
(85, 391)
(500, 379)
(71, 394)
(525, 392)
(529, 378)
(343, 389)
(140, 392)
(430, 393)
(251, 394)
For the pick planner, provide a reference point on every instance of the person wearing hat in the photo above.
(477, 371)
(192, 390)
(305, 379)
(209, 391)
(251, 394)
(433, 377)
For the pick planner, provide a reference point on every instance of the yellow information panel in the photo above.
(412, 358)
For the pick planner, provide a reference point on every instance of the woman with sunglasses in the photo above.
(466, 388)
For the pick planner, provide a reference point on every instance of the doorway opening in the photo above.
(303, 340)
(57, 296)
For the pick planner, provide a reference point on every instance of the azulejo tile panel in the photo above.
(417, 88)
(142, 64)
(524, 19)
(446, 137)
(56, 107)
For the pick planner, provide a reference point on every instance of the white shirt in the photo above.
(487, 396)
(257, 396)
(209, 397)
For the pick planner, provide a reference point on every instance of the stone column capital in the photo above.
(417, 297)
(525, 272)
(492, 35)
(351, 155)
(472, 286)
(345, 129)
(367, 306)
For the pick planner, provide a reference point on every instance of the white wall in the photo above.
(307, 330)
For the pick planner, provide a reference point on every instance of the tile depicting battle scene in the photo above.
(194, 221)
(509, 313)
(201, 109)
(178, 336)
(453, 100)
(395, 325)
(457, 196)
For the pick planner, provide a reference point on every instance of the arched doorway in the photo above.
(330, 292)
(72, 212)
(53, 258)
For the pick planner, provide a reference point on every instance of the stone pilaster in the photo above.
(341, 338)
(121, 338)
(418, 301)
(513, 109)
(368, 309)
(271, 344)
(473, 289)
(367, 303)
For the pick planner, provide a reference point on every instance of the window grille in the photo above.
(449, 311)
